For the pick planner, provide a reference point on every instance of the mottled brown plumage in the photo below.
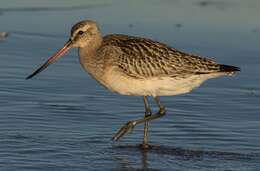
(143, 58)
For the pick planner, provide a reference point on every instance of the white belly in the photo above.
(163, 86)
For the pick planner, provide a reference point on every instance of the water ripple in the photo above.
(190, 153)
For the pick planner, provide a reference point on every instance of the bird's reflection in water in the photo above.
(128, 159)
(124, 160)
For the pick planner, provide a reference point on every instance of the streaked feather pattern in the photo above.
(144, 58)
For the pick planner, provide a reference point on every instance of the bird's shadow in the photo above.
(178, 153)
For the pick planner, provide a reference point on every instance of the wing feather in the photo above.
(142, 58)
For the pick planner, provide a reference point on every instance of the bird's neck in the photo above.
(89, 58)
(92, 46)
(87, 53)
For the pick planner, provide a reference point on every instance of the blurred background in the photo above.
(64, 120)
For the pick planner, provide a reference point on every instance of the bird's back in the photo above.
(142, 58)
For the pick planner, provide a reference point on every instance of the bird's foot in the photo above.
(144, 146)
(127, 128)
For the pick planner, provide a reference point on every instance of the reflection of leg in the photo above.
(144, 160)
(129, 126)
(148, 112)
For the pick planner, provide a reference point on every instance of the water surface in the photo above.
(64, 120)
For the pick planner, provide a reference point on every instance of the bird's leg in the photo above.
(129, 126)
(148, 112)
(160, 105)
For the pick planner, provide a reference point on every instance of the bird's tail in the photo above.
(230, 70)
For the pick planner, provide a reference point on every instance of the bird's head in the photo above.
(83, 34)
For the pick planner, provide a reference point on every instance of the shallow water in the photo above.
(64, 120)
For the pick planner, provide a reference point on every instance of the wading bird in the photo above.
(137, 66)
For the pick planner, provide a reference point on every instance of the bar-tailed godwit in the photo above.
(137, 66)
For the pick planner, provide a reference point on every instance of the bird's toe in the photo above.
(127, 128)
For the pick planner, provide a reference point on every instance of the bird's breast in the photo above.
(92, 66)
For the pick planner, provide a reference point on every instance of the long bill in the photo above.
(53, 58)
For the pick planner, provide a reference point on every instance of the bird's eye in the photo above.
(80, 32)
